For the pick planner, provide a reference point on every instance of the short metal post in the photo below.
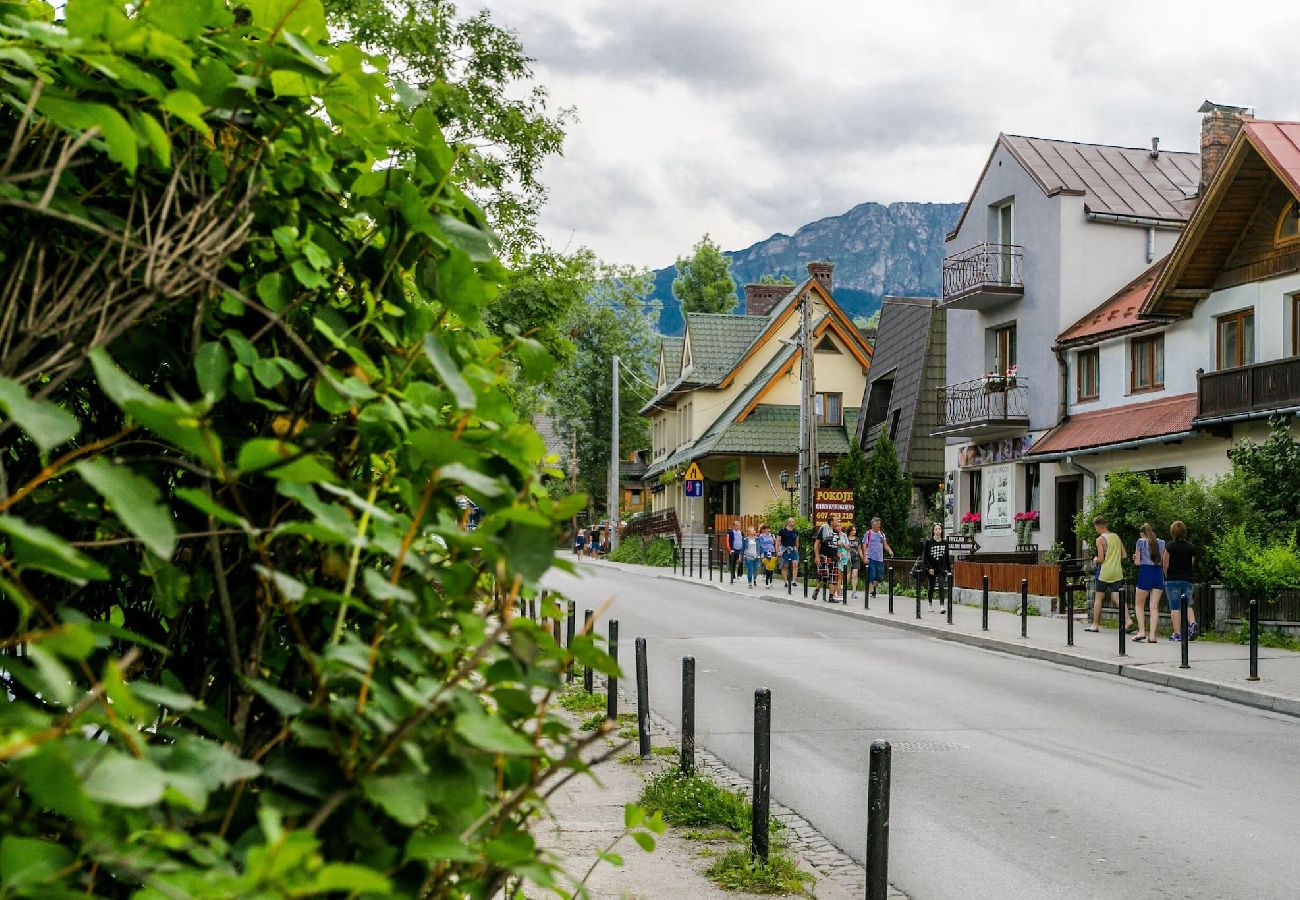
(889, 581)
(676, 560)
(1254, 639)
(642, 699)
(1024, 607)
(688, 716)
(587, 673)
(1066, 603)
(805, 578)
(1123, 616)
(949, 598)
(611, 681)
(929, 591)
(878, 822)
(762, 773)
(1182, 650)
(984, 606)
(710, 561)
(556, 632)
(916, 589)
(572, 625)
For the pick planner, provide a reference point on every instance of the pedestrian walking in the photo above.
(825, 555)
(842, 564)
(767, 552)
(752, 555)
(789, 541)
(580, 542)
(1180, 564)
(937, 559)
(855, 561)
(874, 547)
(735, 547)
(1149, 557)
(1109, 578)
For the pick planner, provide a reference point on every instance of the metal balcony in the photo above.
(987, 408)
(983, 276)
(1257, 389)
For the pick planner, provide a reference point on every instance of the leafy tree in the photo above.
(704, 283)
(261, 657)
(887, 493)
(1255, 567)
(615, 320)
(852, 470)
(1270, 481)
(476, 78)
(772, 279)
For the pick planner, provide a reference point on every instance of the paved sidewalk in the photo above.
(587, 814)
(1218, 670)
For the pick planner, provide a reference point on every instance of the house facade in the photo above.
(1200, 350)
(1051, 227)
(728, 398)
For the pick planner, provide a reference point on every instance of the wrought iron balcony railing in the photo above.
(987, 407)
(983, 275)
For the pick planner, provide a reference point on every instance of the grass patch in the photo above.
(1274, 638)
(664, 751)
(733, 870)
(579, 701)
(630, 759)
(709, 834)
(592, 722)
(629, 732)
(696, 801)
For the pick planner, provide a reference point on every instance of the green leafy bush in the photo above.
(630, 549)
(695, 801)
(1255, 568)
(261, 656)
(659, 552)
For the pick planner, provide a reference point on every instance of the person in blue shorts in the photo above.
(874, 547)
(788, 538)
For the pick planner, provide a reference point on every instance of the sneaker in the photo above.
(1175, 636)
(1193, 631)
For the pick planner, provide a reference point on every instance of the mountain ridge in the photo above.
(878, 250)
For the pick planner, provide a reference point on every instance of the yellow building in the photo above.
(728, 399)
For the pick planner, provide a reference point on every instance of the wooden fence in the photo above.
(1043, 580)
(723, 523)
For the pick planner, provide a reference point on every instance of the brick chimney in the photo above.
(1219, 126)
(821, 270)
(760, 298)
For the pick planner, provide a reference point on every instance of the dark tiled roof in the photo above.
(1118, 314)
(1121, 180)
(546, 429)
(910, 350)
(672, 351)
(774, 431)
(1120, 424)
(718, 342)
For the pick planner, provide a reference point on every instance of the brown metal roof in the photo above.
(1117, 315)
(1279, 143)
(1119, 180)
(1120, 424)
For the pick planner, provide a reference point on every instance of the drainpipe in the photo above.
(1151, 245)
(1088, 474)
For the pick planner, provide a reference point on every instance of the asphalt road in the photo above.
(1011, 777)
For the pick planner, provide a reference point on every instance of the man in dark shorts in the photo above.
(826, 554)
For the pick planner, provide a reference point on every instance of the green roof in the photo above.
(671, 347)
(718, 341)
(774, 430)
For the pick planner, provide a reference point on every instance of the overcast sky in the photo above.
(746, 117)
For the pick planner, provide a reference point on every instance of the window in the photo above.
(882, 390)
(893, 424)
(1032, 487)
(1147, 364)
(975, 495)
(830, 409)
(1085, 366)
(1295, 324)
(826, 346)
(1004, 349)
(1236, 339)
(1288, 225)
(1004, 236)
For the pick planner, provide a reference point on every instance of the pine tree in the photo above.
(888, 494)
(704, 283)
(852, 471)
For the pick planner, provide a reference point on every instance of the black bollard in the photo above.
(572, 628)
(1183, 651)
(710, 562)
(762, 773)
(984, 606)
(688, 716)
(889, 581)
(949, 598)
(1254, 640)
(1123, 617)
(642, 699)
(611, 681)
(555, 631)
(676, 564)
(805, 579)
(1066, 603)
(587, 673)
(1024, 607)
(929, 591)
(878, 822)
(916, 589)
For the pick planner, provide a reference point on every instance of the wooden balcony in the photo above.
(1248, 390)
(983, 276)
(984, 409)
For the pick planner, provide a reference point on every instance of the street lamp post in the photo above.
(789, 488)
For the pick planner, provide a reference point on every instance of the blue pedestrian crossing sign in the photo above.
(694, 481)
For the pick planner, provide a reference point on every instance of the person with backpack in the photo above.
(874, 547)
(826, 554)
(936, 560)
(735, 548)
(1180, 565)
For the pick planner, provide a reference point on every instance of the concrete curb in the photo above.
(1289, 706)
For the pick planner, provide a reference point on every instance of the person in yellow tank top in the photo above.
(1108, 556)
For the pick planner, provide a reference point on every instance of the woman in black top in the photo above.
(1180, 564)
(935, 559)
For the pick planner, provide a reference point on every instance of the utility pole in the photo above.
(807, 411)
(613, 462)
